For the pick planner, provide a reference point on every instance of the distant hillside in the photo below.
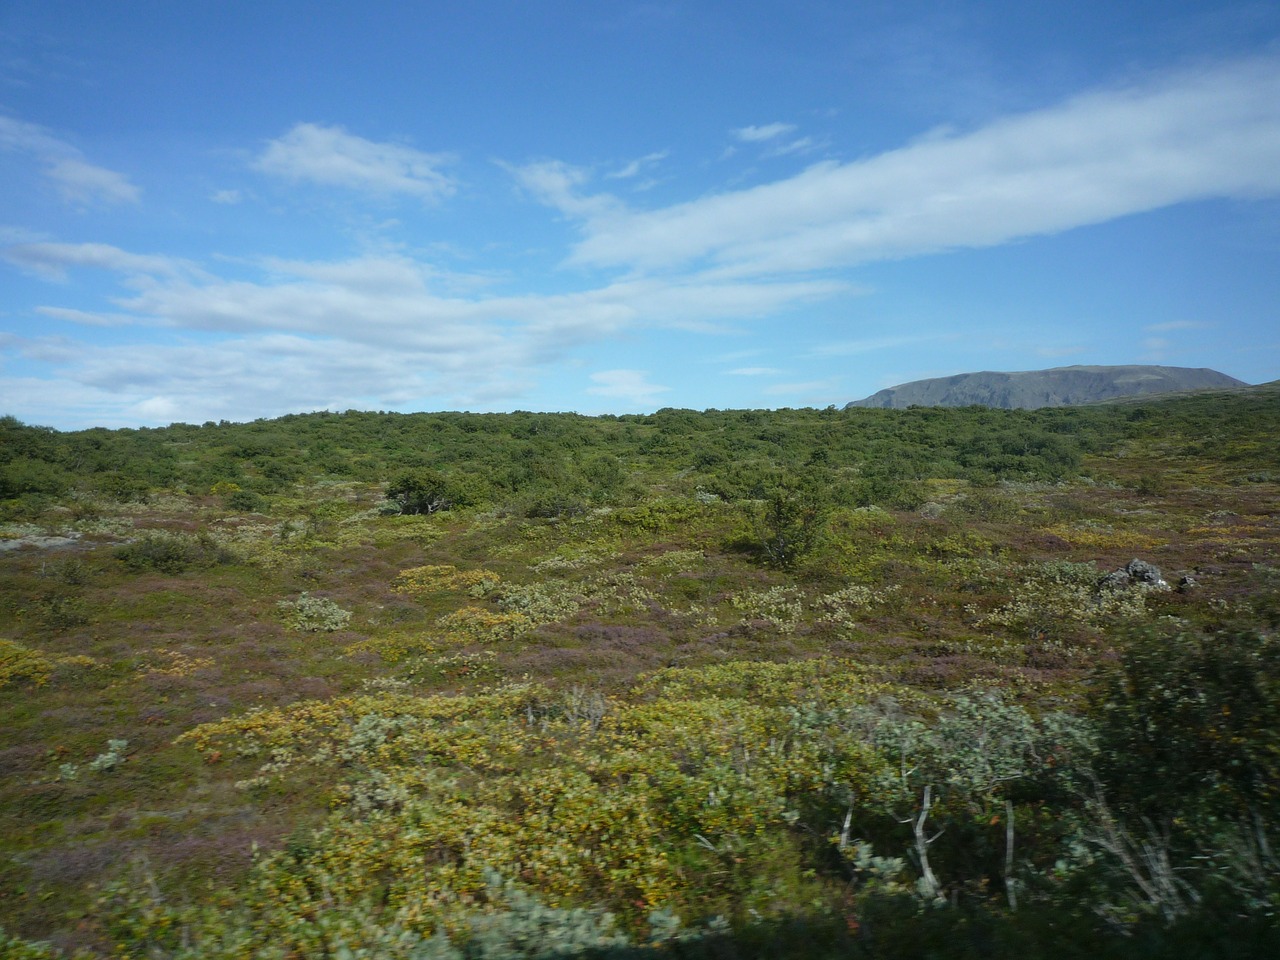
(1058, 387)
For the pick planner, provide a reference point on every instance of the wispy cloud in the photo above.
(635, 166)
(332, 157)
(1163, 339)
(252, 375)
(629, 386)
(801, 145)
(374, 331)
(85, 318)
(79, 182)
(559, 184)
(1156, 349)
(52, 260)
(255, 337)
(84, 183)
(1187, 136)
(764, 132)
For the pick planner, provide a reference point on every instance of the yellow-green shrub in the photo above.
(19, 663)
(436, 578)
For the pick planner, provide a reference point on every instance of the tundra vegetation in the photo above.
(795, 683)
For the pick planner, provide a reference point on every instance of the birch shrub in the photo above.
(314, 614)
(173, 552)
(1055, 593)
(439, 578)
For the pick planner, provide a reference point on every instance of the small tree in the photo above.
(794, 516)
(959, 776)
(421, 491)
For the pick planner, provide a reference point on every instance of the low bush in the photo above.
(171, 552)
(314, 614)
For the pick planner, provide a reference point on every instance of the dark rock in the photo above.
(1141, 571)
(1115, 580)
(1135, 573)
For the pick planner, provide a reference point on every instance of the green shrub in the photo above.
(60, 610)
(314, 614)
(422, 492)
(551, 504)
(110, 758)
(32, 477)
(528, 928)
(169, 552)
(792, 520)
(1192, 719)
(246, 501)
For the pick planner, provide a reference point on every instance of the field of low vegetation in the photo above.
(722, 684)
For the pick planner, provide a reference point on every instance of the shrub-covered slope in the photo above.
(732, 683)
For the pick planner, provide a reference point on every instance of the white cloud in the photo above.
(690, 301)
(803, 145)
(37, 399)
(766, 132)
(51, 260)
(259, 374)
(30, 138)
(390, 330)
(373, 297)
(84, 318)
(226, 197)
(382, 275)
(79, 182)
(629, 386)
(332, 157)
(635, 166)
(373, 331)
(83, 183)
(1207, 133)
(10, 234)
(557, 185)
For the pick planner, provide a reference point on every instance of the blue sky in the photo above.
(238, 210)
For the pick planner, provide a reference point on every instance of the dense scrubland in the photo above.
(797, 683)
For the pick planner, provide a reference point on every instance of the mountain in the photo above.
(1057, 387)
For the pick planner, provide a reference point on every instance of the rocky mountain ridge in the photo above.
(1055, 387)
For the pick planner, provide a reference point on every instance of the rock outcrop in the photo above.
(1135, 573)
